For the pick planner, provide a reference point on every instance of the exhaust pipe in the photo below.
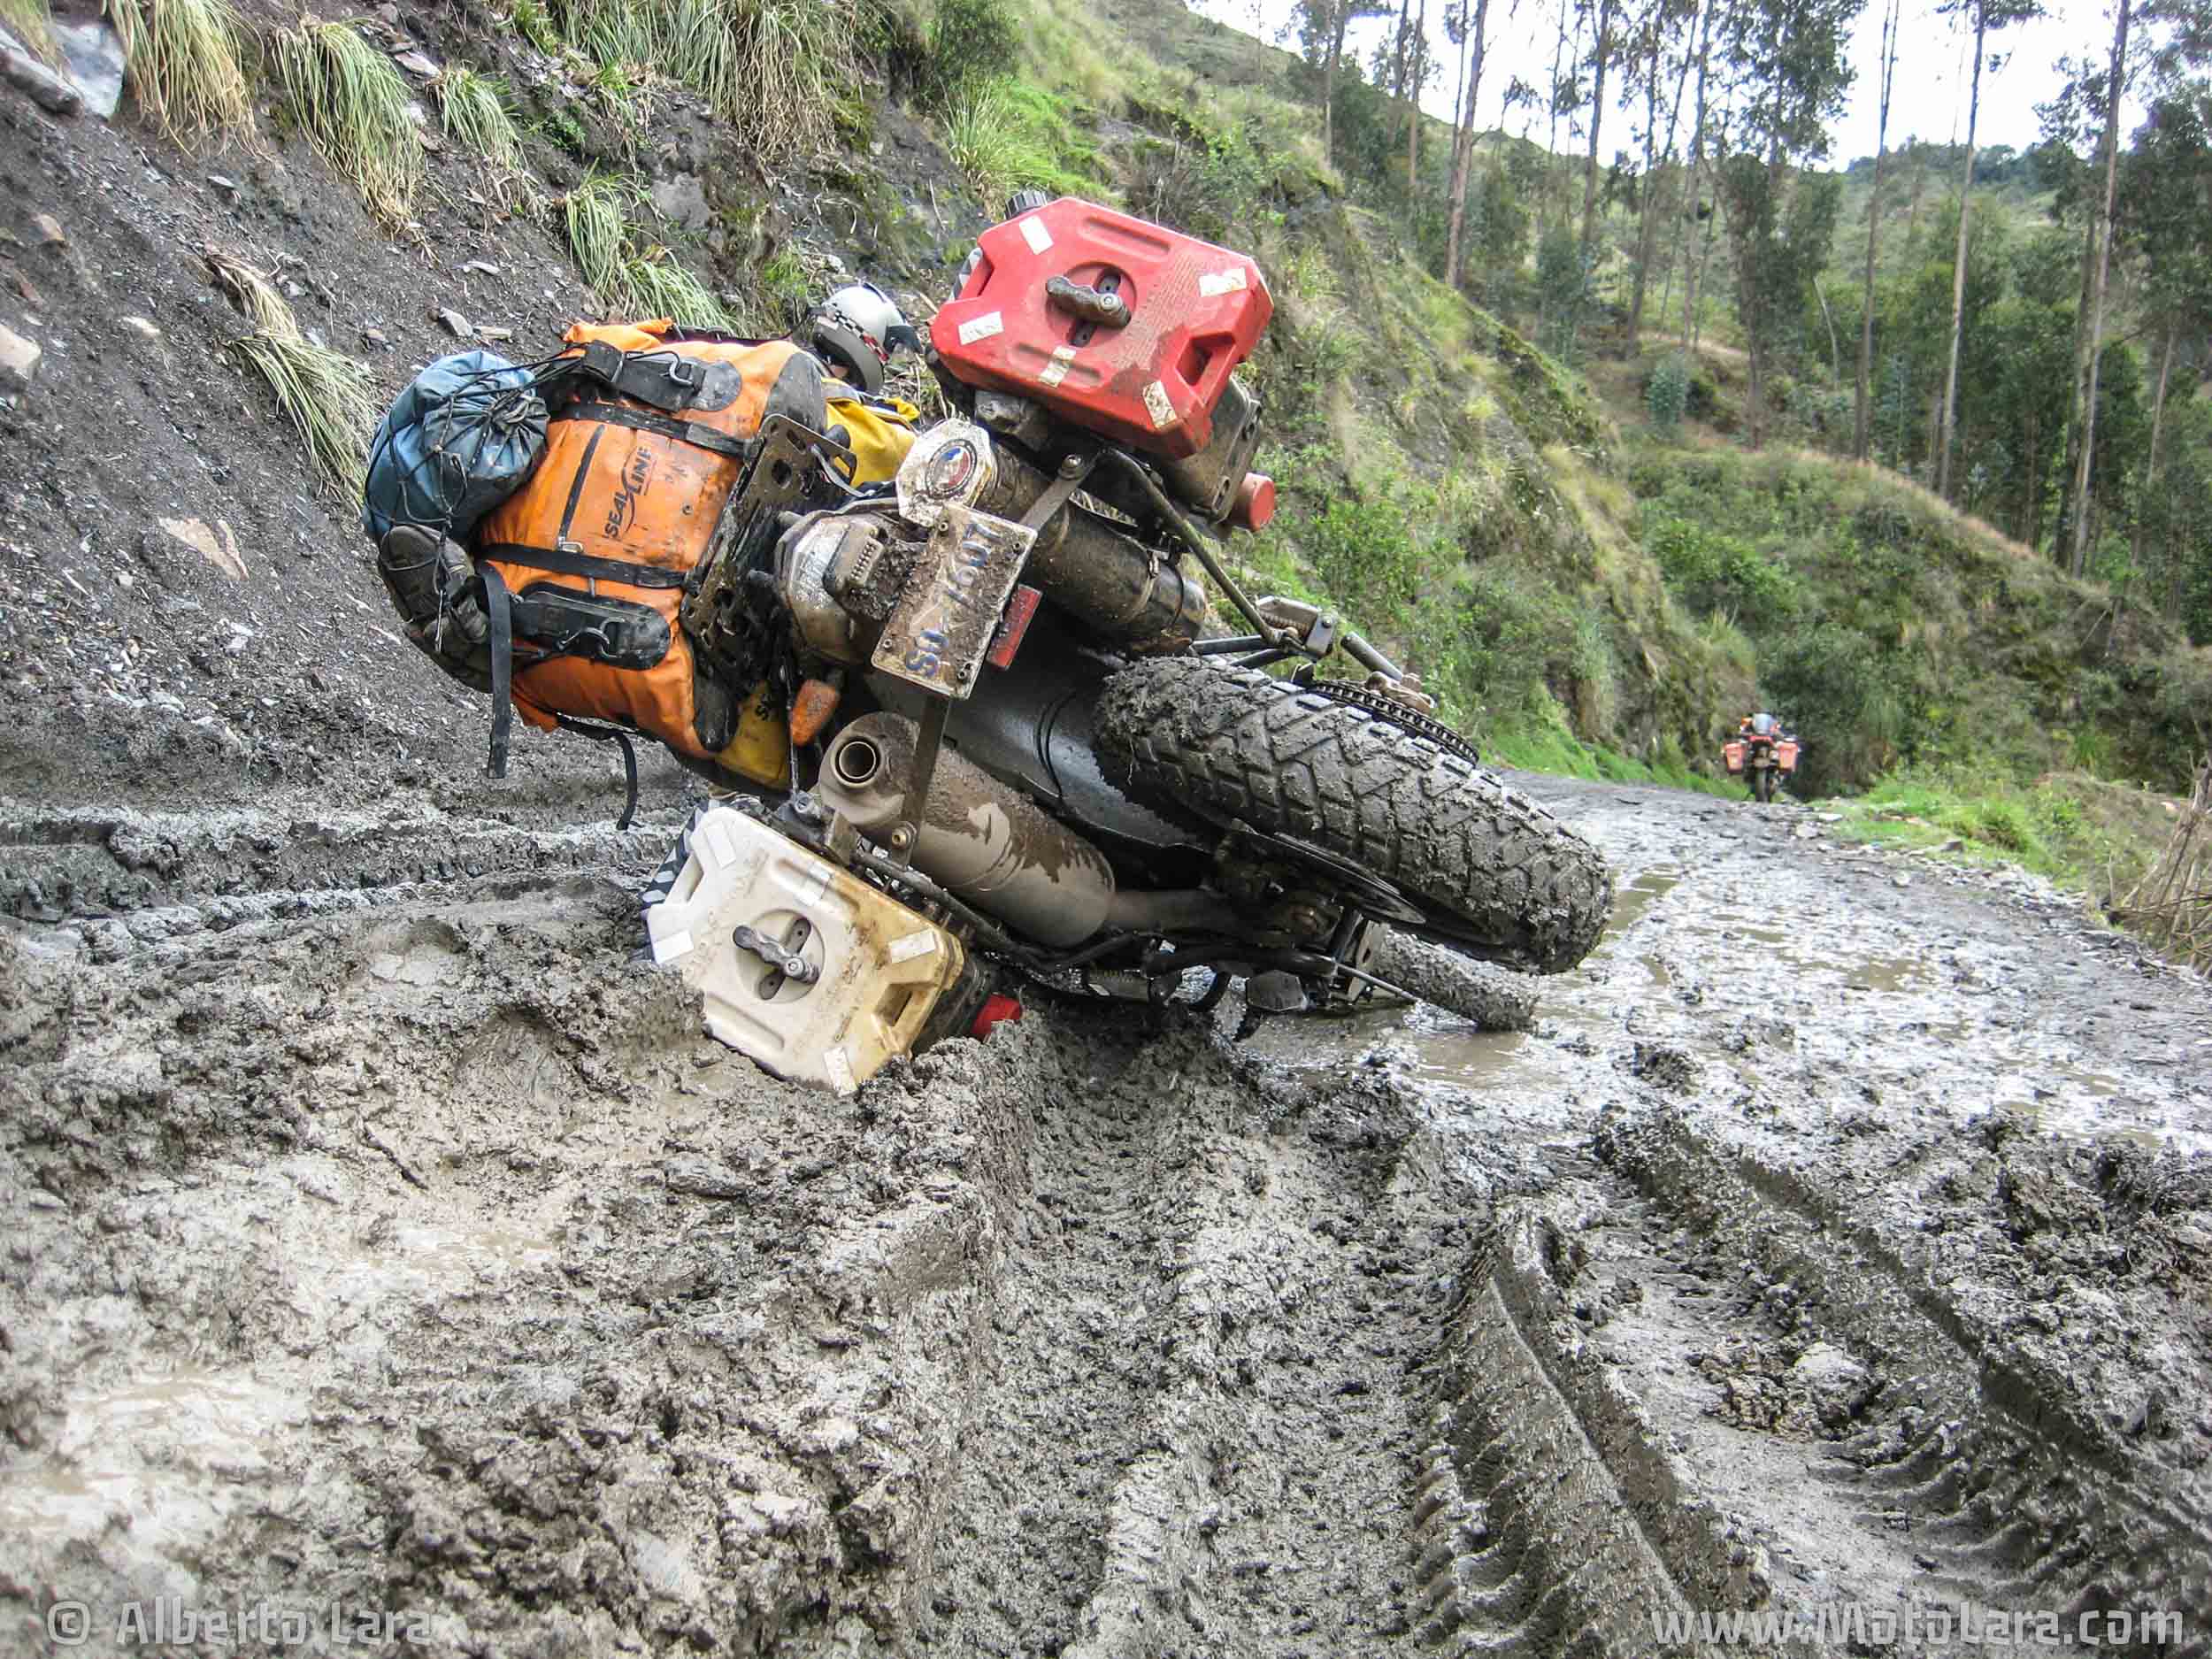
(990, 846)
(994, 847)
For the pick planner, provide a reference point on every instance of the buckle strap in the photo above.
(644, 421)
(497, 612)
(664, 378)
(573, 561)
(604, 733)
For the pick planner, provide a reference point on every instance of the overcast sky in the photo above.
(1933, 67)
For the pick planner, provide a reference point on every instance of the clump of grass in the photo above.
(352, 105)
(644, 279)
(795, 57)
(653, 284)
(984, 136)
(473, 110)
(703, 50)
(612, 33)
(773, 69)
(596, 214)
(188, 64)
(31, 22)
(326, 394)
(536, 24)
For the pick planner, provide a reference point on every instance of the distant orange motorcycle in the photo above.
(1764, 751)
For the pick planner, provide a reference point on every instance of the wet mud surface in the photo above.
(379, 1234)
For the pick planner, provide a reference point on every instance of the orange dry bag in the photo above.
(651, 430)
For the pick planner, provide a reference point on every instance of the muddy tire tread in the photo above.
(1518, 886)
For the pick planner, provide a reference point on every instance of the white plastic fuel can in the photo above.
(879, 969)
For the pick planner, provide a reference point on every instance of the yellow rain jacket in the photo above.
(879, 431)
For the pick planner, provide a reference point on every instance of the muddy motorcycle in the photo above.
(1764, 760)
(1011, 726)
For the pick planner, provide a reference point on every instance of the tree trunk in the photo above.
(1647, 226)
(1697, 275)
(1413, 111)
(1675, 254)
(1470, 51)
(2063, 529)
(2158, 421)
(1958, 268)
(1919, 183)
(1861, 402)
(1600, 53)
(1690, 272)
(1398, 56)
(1328, 82)
(2085, 466)
(1551, 140)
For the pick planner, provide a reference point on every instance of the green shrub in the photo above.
(970, 42)
(1203, 187)
(1667, 393)
(1004, 136)
(1712, 571)
(536, 24)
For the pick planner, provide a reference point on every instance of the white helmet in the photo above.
(859, 328)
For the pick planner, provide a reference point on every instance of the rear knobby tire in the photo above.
(1496, 873)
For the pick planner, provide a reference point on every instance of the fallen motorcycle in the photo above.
(1764, 754)
(1012, 737)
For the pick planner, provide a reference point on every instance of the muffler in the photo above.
(987, 844)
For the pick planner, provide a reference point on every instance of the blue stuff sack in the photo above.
(464, 435)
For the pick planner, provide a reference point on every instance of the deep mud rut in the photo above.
(379, 1237)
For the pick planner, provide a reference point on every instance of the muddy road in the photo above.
(386, 1252)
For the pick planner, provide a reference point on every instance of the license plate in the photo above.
(943, 623)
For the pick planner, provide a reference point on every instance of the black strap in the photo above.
(502, 649)
(604, 733)
(644, 421)
(663, 378)
(576, 485)
(567, 562)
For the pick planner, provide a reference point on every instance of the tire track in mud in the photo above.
(1208, 1398)
(1666, 1393)
(158, 873)
(1968, 1470)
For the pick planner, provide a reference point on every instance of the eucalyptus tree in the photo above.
(1861, 409)
(1985, 16)
(1790, 60)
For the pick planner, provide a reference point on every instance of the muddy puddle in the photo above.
(153, 1466)
(1437, 1050)
(1729, 975)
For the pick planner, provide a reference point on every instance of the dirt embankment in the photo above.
(1829, 1243)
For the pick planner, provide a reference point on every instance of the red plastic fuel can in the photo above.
(1135, 340)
